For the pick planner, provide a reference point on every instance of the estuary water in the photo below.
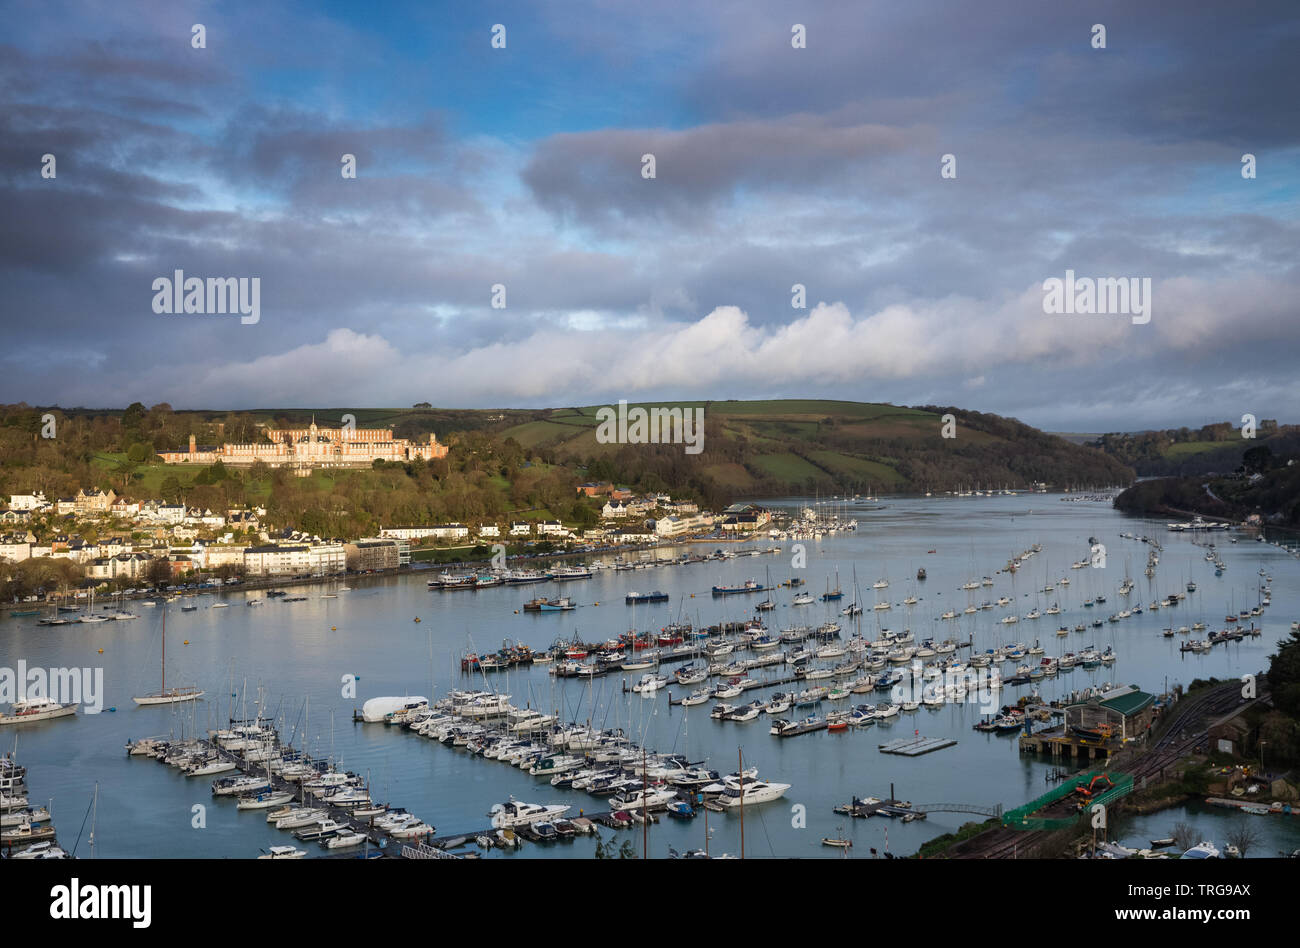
(297, 656)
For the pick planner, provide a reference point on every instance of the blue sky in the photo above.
(775, 166)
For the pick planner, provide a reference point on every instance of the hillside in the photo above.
(1183, 452)
(513, 460)
(754, 448)
(1274, 495)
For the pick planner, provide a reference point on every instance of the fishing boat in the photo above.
(164, 695)
(837, 843)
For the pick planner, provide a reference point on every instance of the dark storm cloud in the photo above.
(774, 166)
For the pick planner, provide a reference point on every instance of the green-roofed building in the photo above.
(1123, 713)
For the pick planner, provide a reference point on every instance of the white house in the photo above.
(520, 528)
(551, 527)
(15, 548)
(489, 530)
(34, 501)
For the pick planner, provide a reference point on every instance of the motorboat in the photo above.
(27, 710)
(283, 852)
(756, 791)
(514, 813)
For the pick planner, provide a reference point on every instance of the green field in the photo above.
(860, 468)
(1183, 449)
(788, 467)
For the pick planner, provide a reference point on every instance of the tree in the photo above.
(1243, 834)
(159, 572)
(1185, 835)
(1257, 460)
(170, 488)
(1284, 676)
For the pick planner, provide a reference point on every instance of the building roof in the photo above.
(1130, 703)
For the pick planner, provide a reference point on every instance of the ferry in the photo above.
(519, 576)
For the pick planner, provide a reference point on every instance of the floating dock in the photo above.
(916, 746)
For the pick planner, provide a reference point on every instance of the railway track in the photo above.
(1187, 729)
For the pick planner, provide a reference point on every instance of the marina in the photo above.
(720, 676)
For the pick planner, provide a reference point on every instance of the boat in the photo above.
(837, 843)
(749, 586)
(637, 598)
(283, 852)
(29, 710)
(264, 801)
(1202, 850)
(514, 813)
(650, 683)
(164, 695)
(754, 791)
(563, 604)
(345, 840)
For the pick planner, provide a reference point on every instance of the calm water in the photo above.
(294, 651)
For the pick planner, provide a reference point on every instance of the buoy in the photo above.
(187, 642)
(334, 628)
(516, 612)
(112, 709)
(101, 651)
(417, 618)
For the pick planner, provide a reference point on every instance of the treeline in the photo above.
(1153, 453)
(1274, 495)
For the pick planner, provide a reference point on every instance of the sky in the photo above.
(522, 167)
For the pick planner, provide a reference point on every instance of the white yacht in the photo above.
(757, 791)
(649, 683)
(513, 813)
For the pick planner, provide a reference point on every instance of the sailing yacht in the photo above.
(164, 695)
